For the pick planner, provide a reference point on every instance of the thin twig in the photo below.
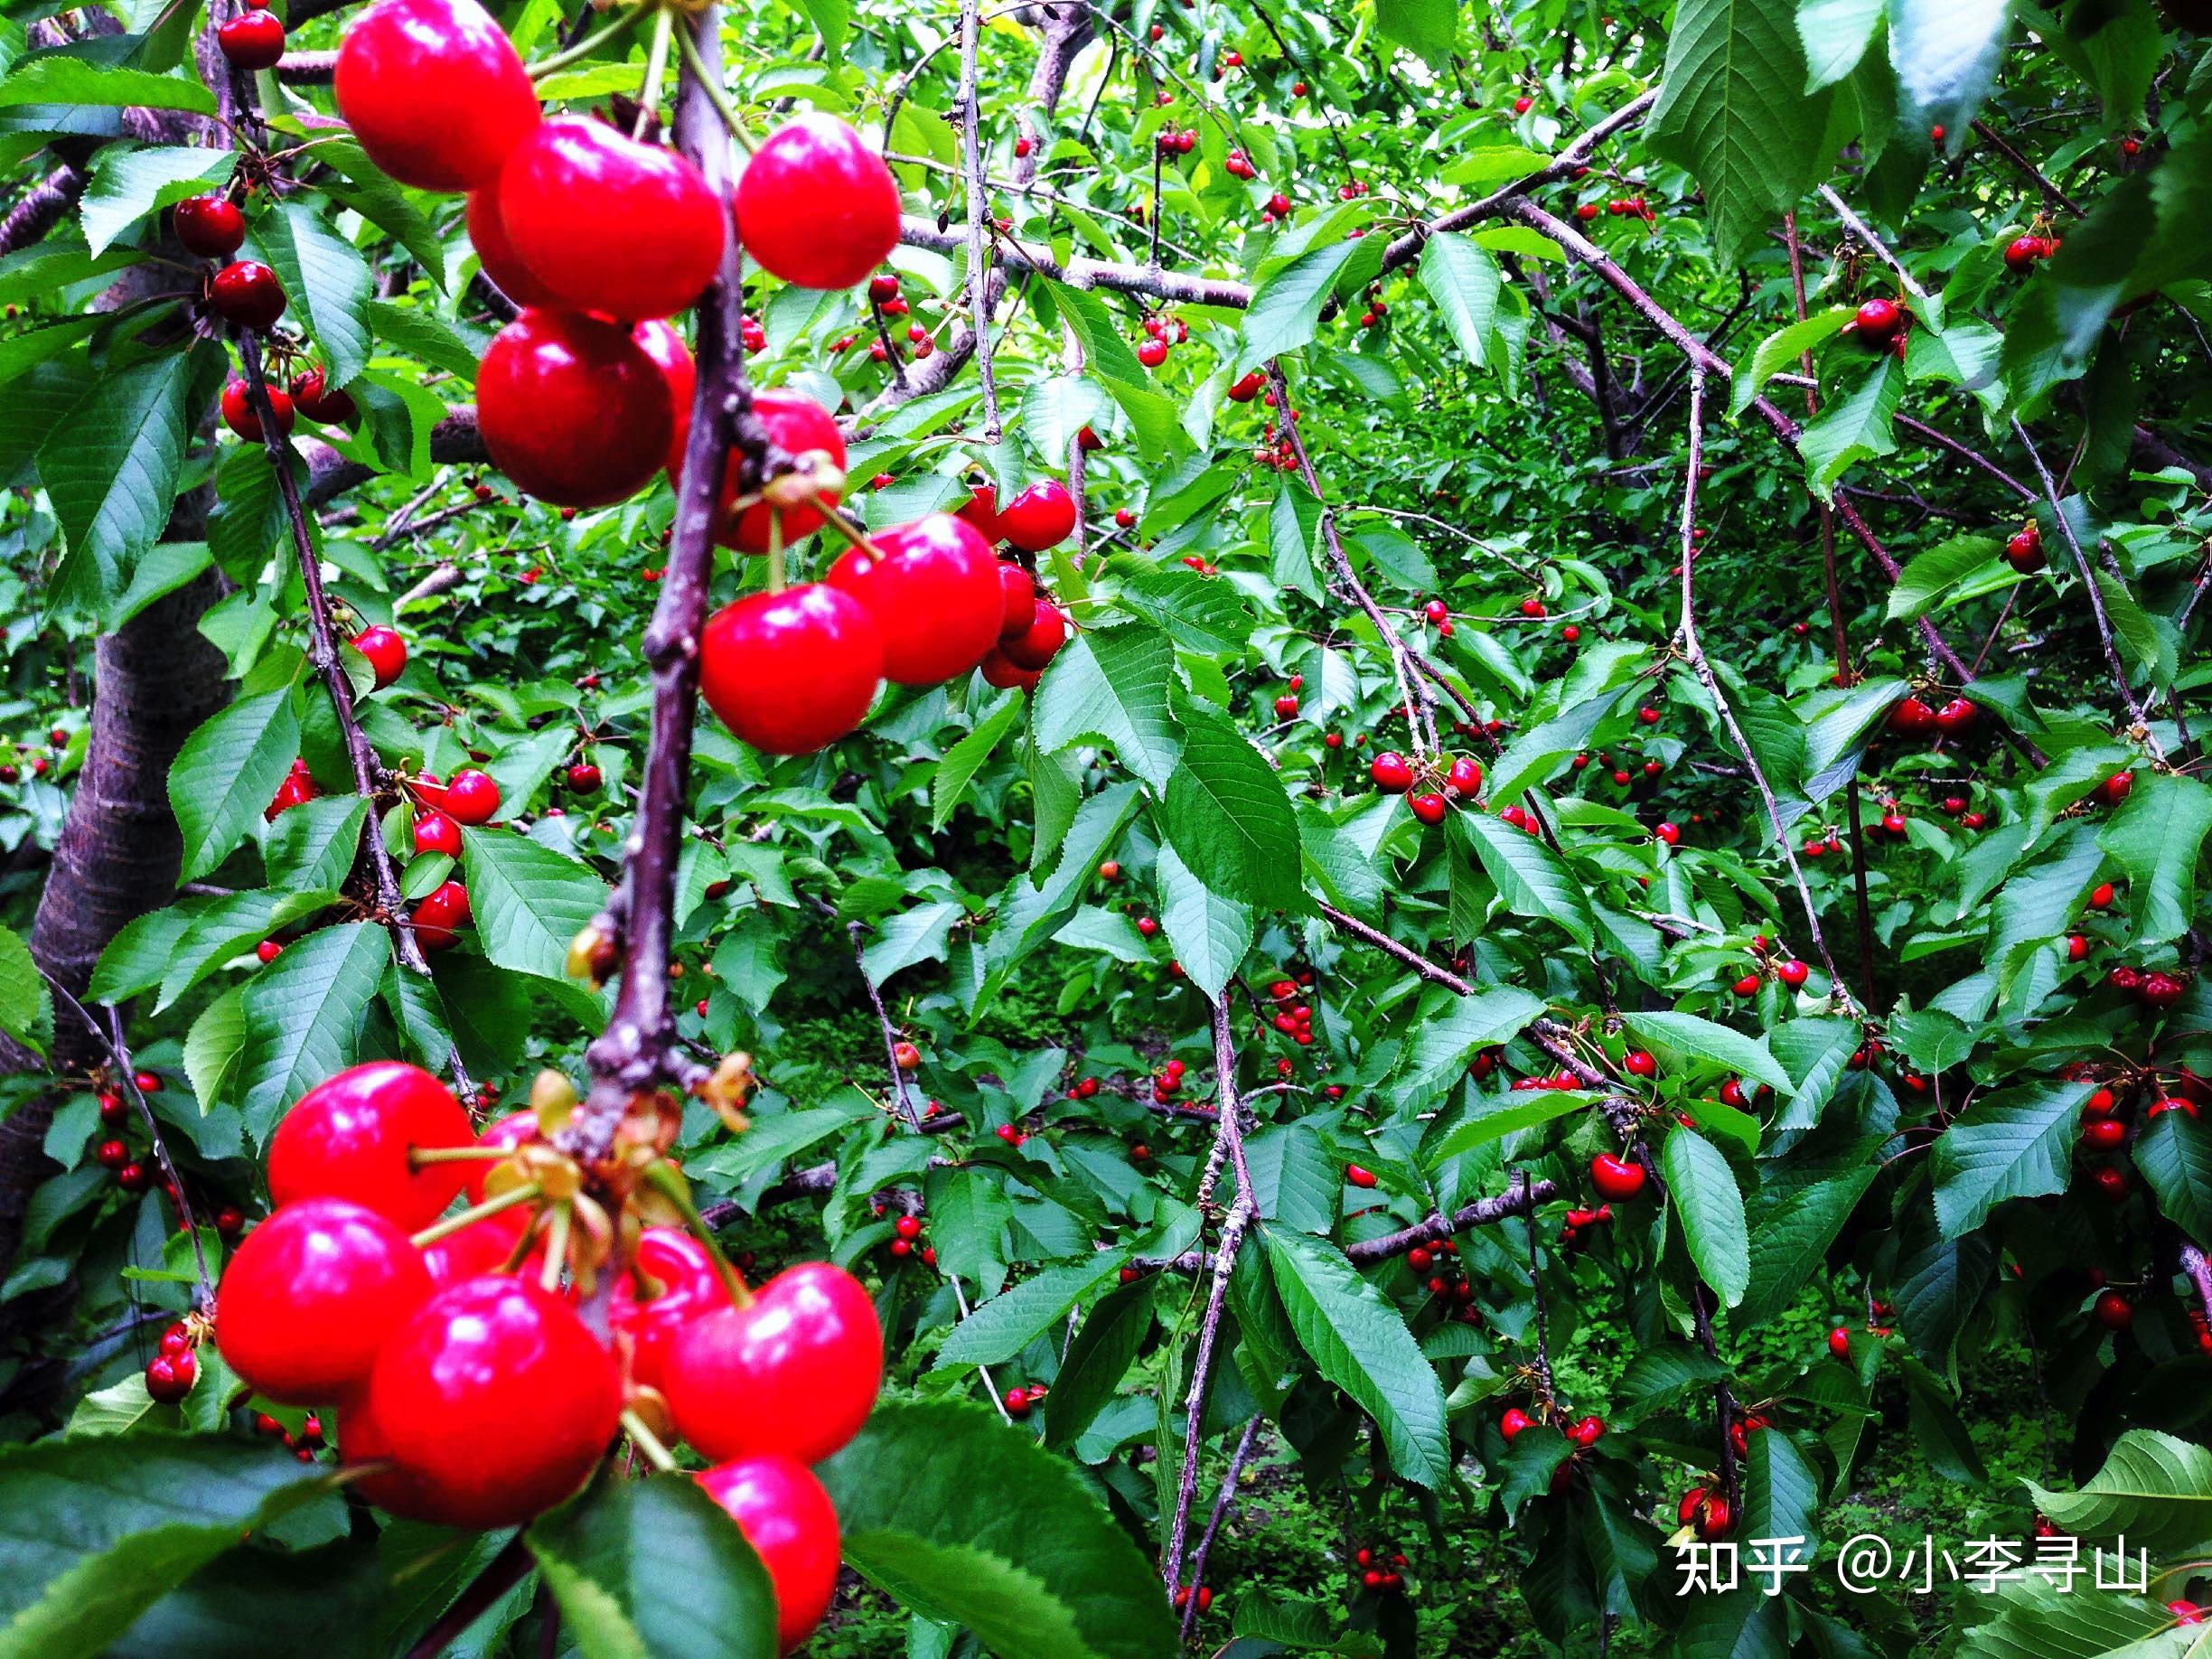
(971, 156)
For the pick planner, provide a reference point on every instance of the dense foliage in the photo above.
(1592, 947)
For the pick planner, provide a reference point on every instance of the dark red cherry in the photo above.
(436, 833)
(1000, 670)
(435, 92)
(686, 1290)
(237, 411)
(496, 254)
(311, 1296)
(1877, 319)
(444, 908)
(348, 1138)
(323, 403)
(613, 225)
(247, 293)
(792, 1526)
(1042, 642)
(209, 226)
(572, 408)
(1041, 516)
(816, 206)
(470, 797)
(934, 589)
(252, 40)
(386, 651)
(494, 1401)
(795, 1371)
(1018, 594)
(791, 672)
(1391, 771)
(1616, 1177)
(1911, 717)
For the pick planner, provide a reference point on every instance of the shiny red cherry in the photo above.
(444, 908)
(247, 293)
(1041, 516)
(1001, 671)
(791, 1524)
(613, 225)
(209, 226)
(488, 235)
(1429, 807)
(1911, 717)
(791, 672)
(1957, 717)
(1391, 771)
(686, 1290)
(311, 1296)
(483, 1246)
(1018, 594)
(386, 653)
(816, 206)
(982, 512)
(435, 92)
(584, 778)
(1041, 642)
(349, 1137)
(665, 346)
(471, 797)
(1616, 1177)
(252, 40)
(1877, 319)
(436, 833)
(797, 425)
(572, 408)
(934, 589)
(323, 403)
(494, 1401)
(237, 411)
(796, 1372)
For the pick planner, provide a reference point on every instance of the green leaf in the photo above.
(654, 1568)
(1358, 1341)
(914, 936)
(1532, 879)
(1703, 1189)
(1836, 34)
(1112, 684)
(1286, 308)
(2157, 837)
(111, 467)
(2015, 1144)
(57, 79)
(1000, 1328)
(27, 1008)
(1463, 279)
(1091, 1374)
(1444, 1044)
(2154, 1488)
(2174, 1154)
(1782, 348)
(1227, 813)
(304, 1014)
(1494, 1118)
(2038, 1617)
(962, 1518)
(1701, 1039)
(1733, 108)
(228, 772)
(327, 281)
(1933, 574)
(1210, 934)
(315, 844)
(1945, 53)
(95, 1530)
(528, 901)
(967, 757)
(1854, 429)
(129, 183)
(1428, 28)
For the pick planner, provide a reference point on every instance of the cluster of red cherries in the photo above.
(468, 1388)
(470, 797)
(1459, 780)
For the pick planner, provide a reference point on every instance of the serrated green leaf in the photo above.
(303, 1018)
(2014, 1144)
(1210, 934)
(111, 467)
(527, 901)
(1703, 1189)
(1112, 684)
(998, 1329)
(227, 773)
(1227, 813)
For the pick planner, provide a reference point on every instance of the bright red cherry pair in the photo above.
(934, 591)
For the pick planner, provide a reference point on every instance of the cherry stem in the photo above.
(853, 533)
(668, 1182)
(625, 18)
(557, 1248)
(776, 552)
(447, 1227)
(656, 71)
(647, 1442)
(420, 1155)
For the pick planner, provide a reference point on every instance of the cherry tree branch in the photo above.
(2051, 192)
(978, 267)
(41, 208)
(1221, 1501)
(638, 1050)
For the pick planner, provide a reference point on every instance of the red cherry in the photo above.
(494, 1401)
(1515, 1421)
(1587, 1431)
(1039, 646)
(1152, 353)
(816, 206)
(436, 833)
(509, 1132)
(1018, 597)
(1615, 1177)
(1359, 1176)
(2113, 1311)
(2024, 551)
(1522, 106)
(1839, 1342)
(1429, 807)
(1001, 671)
(795, 1372)
(471, 797)
(444, 909)
(2160, 989)
(483, 1246)
(1911, 717)
(1714, 1517)
(584, 778)
(252, 40)
(386, 651)
(323, 403)
(1040, 518)
(435, 92)
(1957, 717)
(1793, 973)
(2022, 253)
(613, 225)
(209, 226)
(497, 254)
(1391, 771)
(791, 672)
(348, 1138)
(1640, 1063)
(169, 1377)
(573, 409)
(982, 512)
(309, 1298)
(1877, 320)
(237, 411)
(796, 425)
(935, 591)
(665, 346)
(691, 1288)
(788, 1519)
(247, 293)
